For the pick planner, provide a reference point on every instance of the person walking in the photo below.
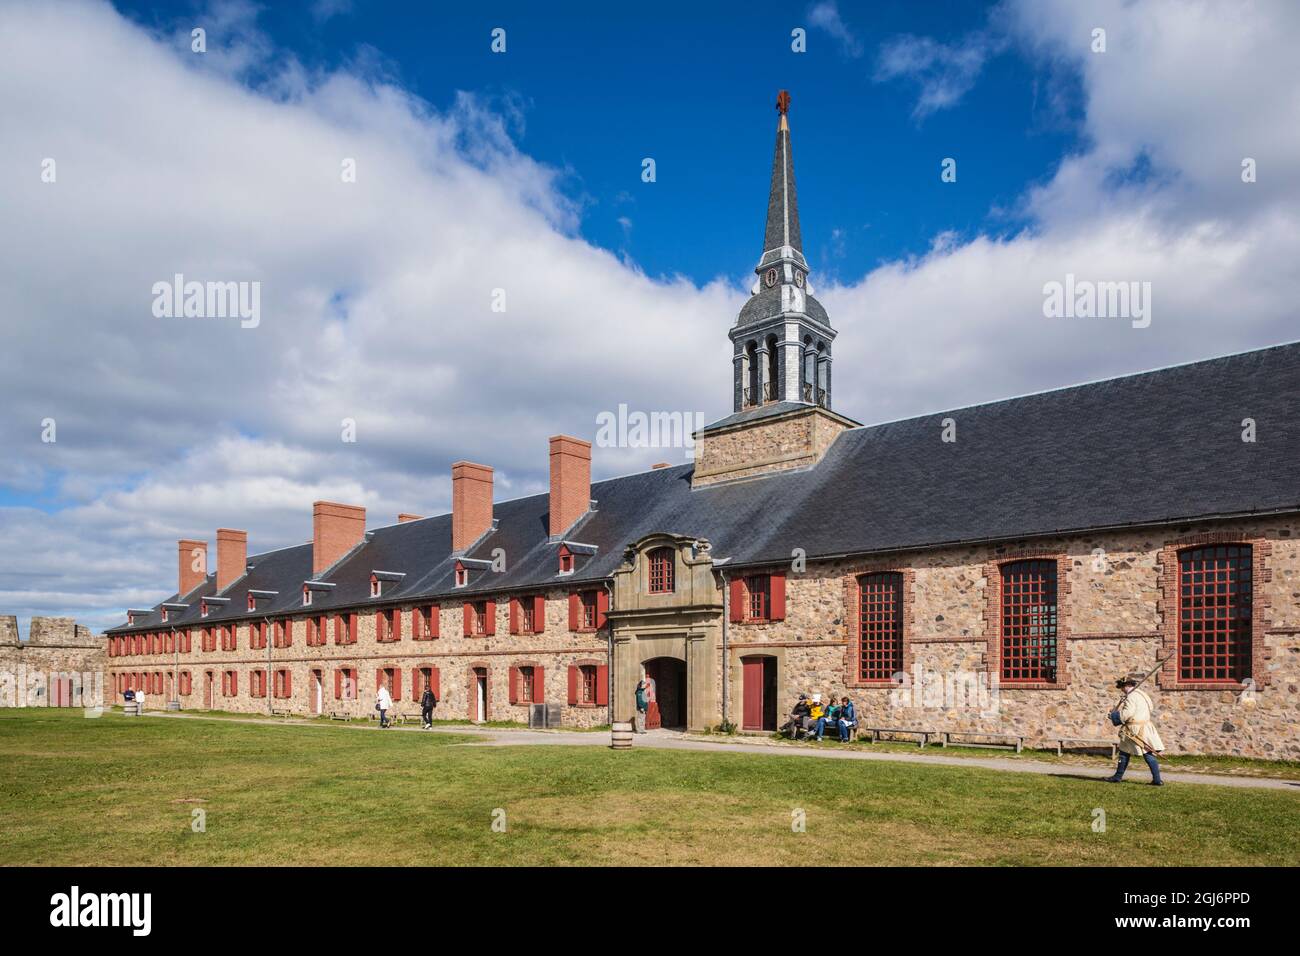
(1137, 730)
(642, 704)
(383, 704)
(428, 701)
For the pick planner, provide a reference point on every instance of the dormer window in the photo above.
(164, 615)
(566, 560)
(203, 609)
(661, 571)
(306, 596)
(379, 580)
(252, 603)
(462, 575)
(376, 588)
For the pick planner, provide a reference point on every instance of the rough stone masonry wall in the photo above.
(1112, 622)
(452, 653)
(55, 645)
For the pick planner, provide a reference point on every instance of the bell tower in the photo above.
(782, 337)
(781, 413)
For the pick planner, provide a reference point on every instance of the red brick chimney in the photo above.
(471, 503)
(404, 517)
(570, 482)
(336, 530)
(232, 556)
(192, 563)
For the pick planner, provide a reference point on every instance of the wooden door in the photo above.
(207, 691)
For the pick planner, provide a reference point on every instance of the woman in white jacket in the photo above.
(383, 703)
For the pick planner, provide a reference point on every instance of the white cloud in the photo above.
(826, 16)
(943, 72)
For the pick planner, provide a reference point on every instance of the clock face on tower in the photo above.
(770, 278)
(798, 278)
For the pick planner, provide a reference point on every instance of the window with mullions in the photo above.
(1214, 613)
(1029, 622)
(661, 571)
(880, 626)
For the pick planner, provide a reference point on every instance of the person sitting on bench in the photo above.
(847, 718)
(797, 717)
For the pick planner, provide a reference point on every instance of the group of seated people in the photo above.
(811, 716)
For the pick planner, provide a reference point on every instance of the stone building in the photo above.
(986, 569)
(61, 664)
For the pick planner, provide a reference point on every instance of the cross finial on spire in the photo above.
(783, 102)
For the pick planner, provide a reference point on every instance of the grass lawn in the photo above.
(114, 791)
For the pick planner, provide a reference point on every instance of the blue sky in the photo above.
(480, 172)
(593, 88)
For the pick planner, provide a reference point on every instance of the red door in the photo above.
(752, 693)
(207, 691)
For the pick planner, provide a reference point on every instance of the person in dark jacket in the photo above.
(848, 718)
(427, 702)
(797, 717)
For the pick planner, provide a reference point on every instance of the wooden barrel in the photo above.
(621, 734)
(131, 709)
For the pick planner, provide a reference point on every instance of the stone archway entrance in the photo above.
(668, 704)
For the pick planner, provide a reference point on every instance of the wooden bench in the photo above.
(336, 715)
(281, 713)
(1086, 743)
(991, 740)
(832, 731)
(923, 736)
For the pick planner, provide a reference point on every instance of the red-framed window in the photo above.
(256, 636)
(526, 685)
(187, 684)
(1029, 619)
(257, 683)
(587, 609)
(317, 628)
(229, 683)
(390, 677)
(462, 575)
(880, 626)
(758, 593)
(422, 677)
(208, 639)
(587, 689)
(388, 626)
(183, 639)
(283, 684)
(528, 614)
(566, 560)
(424, 623)
(661, 571)
(1215, 591)
(282, 633)
(345, 683)
(345, 628)
(480, 618)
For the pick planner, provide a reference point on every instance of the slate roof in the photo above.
(766, 304)
(1139, 450)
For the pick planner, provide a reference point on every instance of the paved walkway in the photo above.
(670, 740)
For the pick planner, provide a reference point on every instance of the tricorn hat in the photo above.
(1128, 679)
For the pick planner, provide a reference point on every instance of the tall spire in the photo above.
(782, 336)
(781, 238)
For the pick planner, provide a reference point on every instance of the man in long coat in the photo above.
(1137, 731)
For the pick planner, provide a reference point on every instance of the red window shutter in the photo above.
(352, 628)
(539, 688)
(381, 632)
(491, 627)
(435, 682)
(434, 612)
(573, 684)
(514, 684)
(737, 601)
(234, 683)
(379, 678)
(602, 607)
(777, 613)
(575, 612)
(539, 614)
(338, 684)
(397, 683)
(288, 632)
(415, 683)
(288, 683)
(514, 628)
(469, 619)
(397, 624)
(417, 624)
(602, 685)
